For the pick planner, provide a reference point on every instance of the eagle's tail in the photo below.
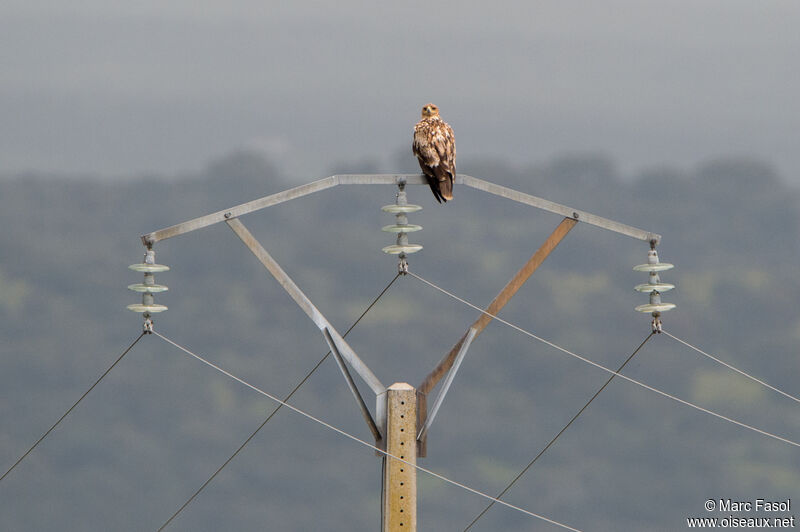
(434, 184)
(446, 188)
(441, 183)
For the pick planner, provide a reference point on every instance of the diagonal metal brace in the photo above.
(304, 303)
(500, 301)
(352, 385)
(448, 381)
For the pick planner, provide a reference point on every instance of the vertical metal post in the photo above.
(400, 479)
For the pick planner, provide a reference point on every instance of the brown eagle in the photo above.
(435, 148)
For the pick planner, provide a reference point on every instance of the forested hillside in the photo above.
(161, 422)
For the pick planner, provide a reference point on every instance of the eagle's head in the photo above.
(430, 110)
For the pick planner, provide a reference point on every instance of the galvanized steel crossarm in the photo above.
(547, 205)
(381, 179)
(391, 179)
(245, 208)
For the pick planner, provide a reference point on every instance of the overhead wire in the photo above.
(607, 370)
(70, 409)
(493, 500)
(553, 440)
(729, 366)
(359, 440)
(275, 410)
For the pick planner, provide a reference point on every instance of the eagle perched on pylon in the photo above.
(435, 148)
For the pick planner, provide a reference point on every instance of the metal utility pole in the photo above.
(401, 419)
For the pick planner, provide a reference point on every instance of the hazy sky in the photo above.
(121, 88)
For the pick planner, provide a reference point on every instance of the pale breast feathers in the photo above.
(434, 141)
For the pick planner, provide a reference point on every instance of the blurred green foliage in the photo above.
(161, 423)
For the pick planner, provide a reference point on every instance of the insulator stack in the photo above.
(401, 227)
(148, 287)
(654, 286)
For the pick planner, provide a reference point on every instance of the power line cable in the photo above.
(32, 447)
(551, 442)
(737, 370)
(275, 411)
(607, 370)
(358, 440)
